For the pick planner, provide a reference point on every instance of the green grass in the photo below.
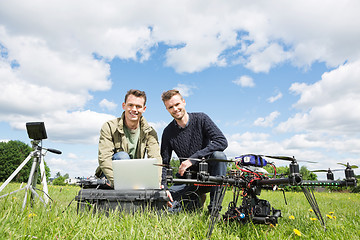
(62, 222)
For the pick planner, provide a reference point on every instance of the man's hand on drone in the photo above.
(168, 194)
(184, 165)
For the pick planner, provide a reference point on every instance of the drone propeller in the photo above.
(164, 165)
(348, 165)
(329, 170)
(286, 158)
(171, 167)
(207, 160)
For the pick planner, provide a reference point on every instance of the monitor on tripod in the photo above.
(36, 130)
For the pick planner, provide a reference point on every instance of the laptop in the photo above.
(136, 174)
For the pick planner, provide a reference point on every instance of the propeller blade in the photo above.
(319, 171)
(164, 165)
(171, 167)
(346, 165)
(207, 160)
(281, 157)
(286, 158)
(332, 170)
(219, 160)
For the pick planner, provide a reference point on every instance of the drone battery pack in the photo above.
(128, 201)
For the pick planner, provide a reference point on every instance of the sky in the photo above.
(277, 77)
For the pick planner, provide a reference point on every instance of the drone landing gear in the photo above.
(309, 194)
(216, 208)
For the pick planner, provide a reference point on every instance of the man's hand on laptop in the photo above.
(184, 165)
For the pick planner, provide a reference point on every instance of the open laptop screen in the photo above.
(136, 174)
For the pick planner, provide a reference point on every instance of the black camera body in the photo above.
(36, 130)
(257, 211)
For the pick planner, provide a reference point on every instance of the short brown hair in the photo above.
(169, 94)
(136, 93)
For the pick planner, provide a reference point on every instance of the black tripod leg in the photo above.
(216, 208)
(309, 194)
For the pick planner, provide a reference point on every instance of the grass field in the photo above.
(341, 212)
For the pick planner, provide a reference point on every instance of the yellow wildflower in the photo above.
(334, 217)
(313, 219)
(331, 213)
(32, 215)
(297, 232)
(329, 216)
(291, 217)
(310, 210)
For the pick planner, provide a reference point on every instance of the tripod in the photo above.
(37, 157)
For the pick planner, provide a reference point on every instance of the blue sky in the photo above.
(274, 81)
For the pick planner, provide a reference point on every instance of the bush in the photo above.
(60, 181)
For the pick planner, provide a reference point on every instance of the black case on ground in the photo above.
(106, 200)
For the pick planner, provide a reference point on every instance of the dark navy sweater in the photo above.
(200, 138)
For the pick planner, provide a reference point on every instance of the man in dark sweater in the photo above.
(191, 136)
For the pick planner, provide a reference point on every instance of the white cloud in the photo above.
(68, 127)
(60, 70)
(255, 143)
(268, 121)
(200, 34)
(263, 61)
(244, 81)
(275, 98)
(328, 142)
(106, 104)
(185, 90)
(79, 167)
(329, 105)
(72, 156)
(158, 126)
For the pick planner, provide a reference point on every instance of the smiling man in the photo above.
(191, 136)
(127, 137)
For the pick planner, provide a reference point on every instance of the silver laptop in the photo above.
(136, 174)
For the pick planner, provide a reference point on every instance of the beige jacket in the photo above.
(113, 140)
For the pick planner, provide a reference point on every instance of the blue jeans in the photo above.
(117, 156)
(182, 191)
(120, 156)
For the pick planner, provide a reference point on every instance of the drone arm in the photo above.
(276, 181)
(292, 180)
(329, 183)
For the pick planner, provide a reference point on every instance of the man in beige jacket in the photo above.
(127, 137)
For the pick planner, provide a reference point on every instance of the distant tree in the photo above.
(59, 181)
(281, 171)
(307, 174)
(12, 154)
(47, 171)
